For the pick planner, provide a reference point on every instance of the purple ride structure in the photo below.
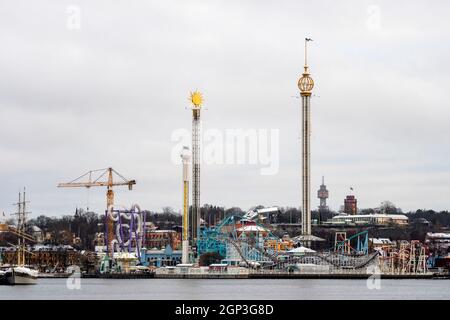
(128, 235)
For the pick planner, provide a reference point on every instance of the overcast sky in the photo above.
(112, 90)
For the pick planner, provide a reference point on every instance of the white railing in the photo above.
(202, 271)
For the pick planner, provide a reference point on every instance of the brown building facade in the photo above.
(162, 238)
(350, 205)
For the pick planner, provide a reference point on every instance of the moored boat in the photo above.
(21, 275)
(3, 277)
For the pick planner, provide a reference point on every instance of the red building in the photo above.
(350, 205)
(162, 238)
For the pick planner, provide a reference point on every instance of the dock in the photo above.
(200, 273)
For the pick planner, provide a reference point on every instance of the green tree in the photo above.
(209, 258)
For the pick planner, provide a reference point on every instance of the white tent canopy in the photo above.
(301, 249)
(252, 228)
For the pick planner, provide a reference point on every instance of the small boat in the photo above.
(21, 275)
(3, 277)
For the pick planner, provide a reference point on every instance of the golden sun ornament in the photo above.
(196, 99)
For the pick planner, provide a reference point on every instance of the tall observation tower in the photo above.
(197, 101)
(185, 157)
(306, 84)
(322, 194)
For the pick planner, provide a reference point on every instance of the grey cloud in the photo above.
(112, 93)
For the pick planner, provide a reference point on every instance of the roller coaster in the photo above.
(331, 259)
(410, 257)
(357, 244)
(250, 249)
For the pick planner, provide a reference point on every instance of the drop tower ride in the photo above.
(306, 84)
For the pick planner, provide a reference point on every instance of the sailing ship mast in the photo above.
(21, 228)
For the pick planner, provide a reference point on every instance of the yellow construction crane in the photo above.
(109, 183)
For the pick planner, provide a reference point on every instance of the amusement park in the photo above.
(236, 245)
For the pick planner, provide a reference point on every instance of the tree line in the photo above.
(85, 225)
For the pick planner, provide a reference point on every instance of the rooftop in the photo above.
(380, 241)
(375, 215)
(252, 228)
(438, 235)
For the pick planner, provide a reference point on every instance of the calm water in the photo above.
(229, 289)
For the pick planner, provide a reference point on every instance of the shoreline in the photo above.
(354, 276)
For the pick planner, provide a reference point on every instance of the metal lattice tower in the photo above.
(306, 84)
(196, 99)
